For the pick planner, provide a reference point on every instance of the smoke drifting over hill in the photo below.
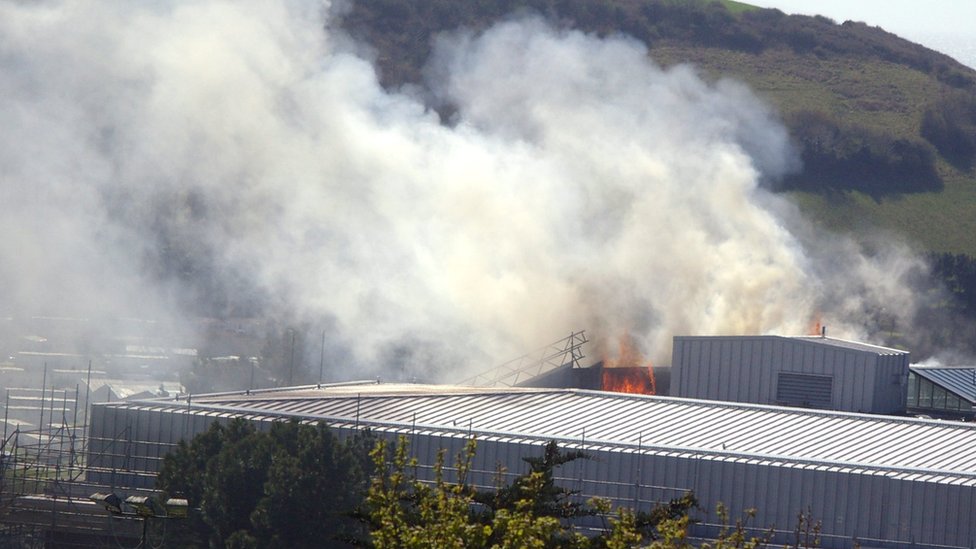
(240, 158)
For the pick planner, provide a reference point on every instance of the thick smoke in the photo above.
(242, 155)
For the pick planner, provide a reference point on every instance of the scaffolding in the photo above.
(566, 352)
(45, 491)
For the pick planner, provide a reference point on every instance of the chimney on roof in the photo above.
(823, 332)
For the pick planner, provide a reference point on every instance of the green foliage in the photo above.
(402, 30)
(958, 273)
(406, 513)
(531, 512)
(648, 522)
(855, 72)
(950, 125)
(735, 536)
(539, 487)
(840, 156)
(807, 531)
(294, 486)
(674, 533)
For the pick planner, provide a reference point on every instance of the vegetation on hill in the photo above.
(894, 127)
(886, 128)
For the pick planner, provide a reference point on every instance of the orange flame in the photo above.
(639, 381)
(628, 372)
(816, 326)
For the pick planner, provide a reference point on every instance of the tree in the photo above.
(404, 512)
(294, 486)
(531, 512)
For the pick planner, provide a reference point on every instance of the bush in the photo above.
(845, 157)
(950, 125)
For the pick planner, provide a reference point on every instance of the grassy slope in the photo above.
(737, 7)
(873, 93)
(857, 86)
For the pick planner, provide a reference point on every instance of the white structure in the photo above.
(813, 372)
(884, 481)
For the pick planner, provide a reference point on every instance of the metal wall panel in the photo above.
(790, 460)
(744, 369)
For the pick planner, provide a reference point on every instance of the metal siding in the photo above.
(689, 369)
(930, 503)
(744, 373)
(843, 386)
(704, 388)
(917, 518)
(951, 504)
(865, 375)
(880, 392)
(737, 486)
(693, 363)
(751, 494)
(967, 510)
(825, 508)
(858, 516)
(900, 508)
(679, 359)
(731, 380)
(876, 507)
(798, 437)
(851, 391)
(817, 360)
(792, 479)
(806, 361)
(701, 381)
(765, 384)
(842, 517)
(890, 508)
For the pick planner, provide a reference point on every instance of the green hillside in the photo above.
(854, 96)
(877, 94)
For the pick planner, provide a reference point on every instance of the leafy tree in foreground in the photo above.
(530, 513)
(294, 486)
(406, 513)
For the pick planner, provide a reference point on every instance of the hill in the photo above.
(887, 128)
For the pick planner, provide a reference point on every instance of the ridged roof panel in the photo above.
(667, 424)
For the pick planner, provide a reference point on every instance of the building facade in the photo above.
(810, 372)
(877, 481)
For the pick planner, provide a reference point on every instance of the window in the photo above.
(938, 398)
(924, 393)
(912, 390)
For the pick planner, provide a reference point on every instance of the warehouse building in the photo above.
(880, 481)
(812, 372)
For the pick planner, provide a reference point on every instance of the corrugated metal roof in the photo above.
(715, 429)
(855, 345)
(819, 340)
(959, 380)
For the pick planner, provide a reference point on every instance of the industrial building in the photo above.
(943, 392)
(813, 372)
(880, 481)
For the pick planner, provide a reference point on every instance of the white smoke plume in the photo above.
(577, 186)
